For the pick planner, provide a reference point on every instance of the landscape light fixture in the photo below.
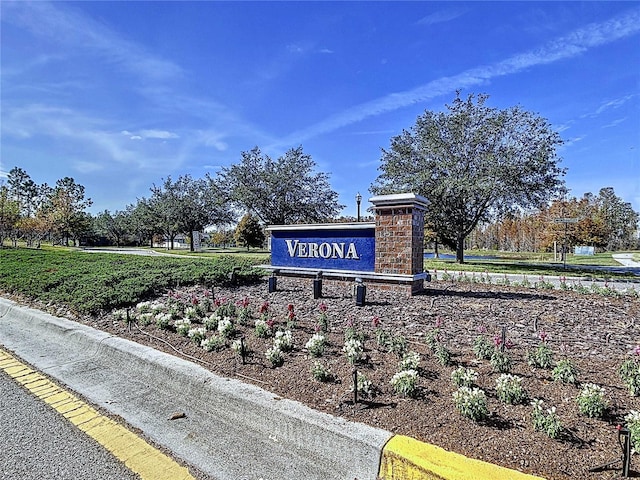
(358, 200)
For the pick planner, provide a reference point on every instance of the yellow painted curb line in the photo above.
(137, 455)
(404, 458)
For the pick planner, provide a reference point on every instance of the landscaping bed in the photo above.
(597, 333)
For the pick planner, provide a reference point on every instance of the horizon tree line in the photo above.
(492, 178)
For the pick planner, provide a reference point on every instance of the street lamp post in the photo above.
(358, 200)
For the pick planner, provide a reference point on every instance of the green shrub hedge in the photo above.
(91, 282)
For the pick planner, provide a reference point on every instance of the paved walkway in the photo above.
(626, 259)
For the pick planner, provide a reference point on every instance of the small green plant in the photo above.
(262, 328)
(547, 421)
(591, 401)
(182, 326)
(410, 361)
(211, 322)
(351, 333)
(238, 347)
(443, 355)
(192, 314)
(144, 307)
(315, 345)
(500, 361)
(509, 389)
(365, 387)
(163, 320)
(632, 420)
(320, 372)
(397, 345)
(565, 371)
(404, 382)
(433, 338)
(226, 328)
(243, 311)
(275, 357)
(283, 340)
(464, 377)
(482, 348)
(471, 403)
(197, 334)
(542, 356)
(354, 350)
(224, 308)
(323, 319)
(213, 343)
(629, 372)
(383, 338)
(291, 317)
(145, 319)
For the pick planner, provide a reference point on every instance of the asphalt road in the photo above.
(38, 443)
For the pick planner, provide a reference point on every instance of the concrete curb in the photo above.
(231, 430)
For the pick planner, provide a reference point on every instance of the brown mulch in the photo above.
(597, 333)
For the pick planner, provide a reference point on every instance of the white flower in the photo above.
(225, 326)
(198, 331)
(182, 326)
(236, 346)
(316, 339)
(144, 306)
(353, 350)
(410, 361)
(190, 312)
(283, 340)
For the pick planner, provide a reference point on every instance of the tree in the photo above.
(249, 232)
(283, 191)
(66, 209)
(22, 189)
(619, 220)
(9, 214)
(115, 227)
(472, 162)
(142, 221)
(189, 205)
(222, 237)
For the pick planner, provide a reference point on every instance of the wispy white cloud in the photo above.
(157, 79)
(561, 48)
(78, 32)
(565, 126)
(163, 134)
(96, 138)
(613, 104)
(442, 16)
(144, 134)
(212, 138)
(88, 167)
(615, 123)
(572, 141)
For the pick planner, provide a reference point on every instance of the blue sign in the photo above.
(325, 247)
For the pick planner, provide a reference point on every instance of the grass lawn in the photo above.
(529, 263)
(91, 282)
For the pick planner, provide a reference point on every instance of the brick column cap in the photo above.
(399, 200)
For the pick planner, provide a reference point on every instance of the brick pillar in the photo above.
(400, 235)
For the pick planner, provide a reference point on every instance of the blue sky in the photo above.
(119, 95)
